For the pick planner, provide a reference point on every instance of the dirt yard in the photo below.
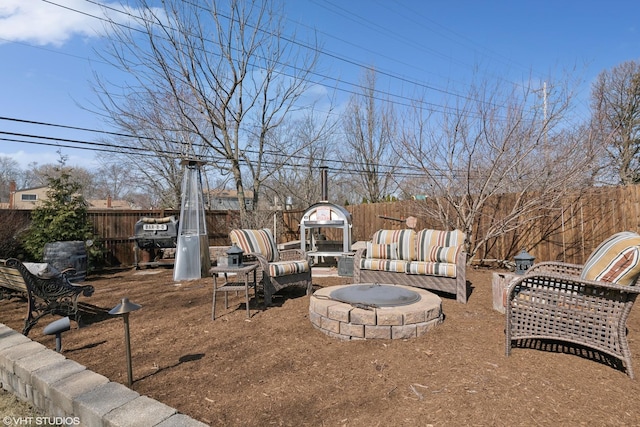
(276, 369)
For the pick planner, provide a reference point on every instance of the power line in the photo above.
(341, 165)
(406, 101)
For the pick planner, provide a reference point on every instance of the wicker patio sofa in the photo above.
(584, 305)
(277, 269)
(428, 259)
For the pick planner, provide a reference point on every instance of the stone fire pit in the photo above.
(373, 311)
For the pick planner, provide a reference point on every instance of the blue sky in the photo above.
(47, 53)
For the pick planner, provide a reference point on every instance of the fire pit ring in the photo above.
(373, 311)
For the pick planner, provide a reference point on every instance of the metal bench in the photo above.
(44, 296)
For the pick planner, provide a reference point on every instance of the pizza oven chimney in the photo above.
(324, 184)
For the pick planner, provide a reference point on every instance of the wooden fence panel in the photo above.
(569, 233)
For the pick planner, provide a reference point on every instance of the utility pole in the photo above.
(544, 110)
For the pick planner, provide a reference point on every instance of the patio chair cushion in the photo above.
(285, 268)
(442, 269)
(256, 241)
(382, 251)
(394, 265)
(405, 239)
(616, 260)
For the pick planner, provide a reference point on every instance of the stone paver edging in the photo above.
(344, 321)
(68, 391)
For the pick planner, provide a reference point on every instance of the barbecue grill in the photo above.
(155, 233)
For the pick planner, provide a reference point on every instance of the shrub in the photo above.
(14, 224)
(62, 217)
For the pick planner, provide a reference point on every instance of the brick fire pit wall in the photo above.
(344, 321)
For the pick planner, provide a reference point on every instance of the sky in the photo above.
(49, 53)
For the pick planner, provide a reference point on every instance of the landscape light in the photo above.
(57, 328)
(123, 309)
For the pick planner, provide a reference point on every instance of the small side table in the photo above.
(499, 284)
(227, 286)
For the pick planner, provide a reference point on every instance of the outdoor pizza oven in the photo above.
(152, 233)
(325, 215)
(325, 228)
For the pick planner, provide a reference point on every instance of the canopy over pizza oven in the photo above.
(325, 215)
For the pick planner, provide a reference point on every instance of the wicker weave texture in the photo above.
(552, 302)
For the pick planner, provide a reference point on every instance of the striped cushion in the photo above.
(382, 251)
(427, 239)
(442, 269)
(256, 241)
(397, 266)
(439, 254)
(284, 268)
(616, 260)
(405, 239)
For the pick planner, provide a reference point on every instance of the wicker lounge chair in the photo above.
(558, 301)
(277, 269)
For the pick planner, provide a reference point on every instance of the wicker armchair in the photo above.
(277, 269)
(553, 302)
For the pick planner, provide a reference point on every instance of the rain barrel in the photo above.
(71, 254)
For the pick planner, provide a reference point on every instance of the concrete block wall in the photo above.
(60, 387)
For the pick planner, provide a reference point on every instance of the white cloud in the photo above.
(43, 23)
(80, 158)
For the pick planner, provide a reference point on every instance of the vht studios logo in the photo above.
(41, 421)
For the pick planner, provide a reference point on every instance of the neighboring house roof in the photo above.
(29, 198)
(109, 204)
(229, 193)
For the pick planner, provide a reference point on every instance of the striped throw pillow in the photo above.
(382, 251)
(256, 241)
(616, 260)
(405, 239)
(440, 254)
(439, 246)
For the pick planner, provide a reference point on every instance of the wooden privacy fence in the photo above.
(568, 232)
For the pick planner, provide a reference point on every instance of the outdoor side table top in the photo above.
(227, 286)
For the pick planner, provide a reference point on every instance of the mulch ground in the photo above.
(276, 369)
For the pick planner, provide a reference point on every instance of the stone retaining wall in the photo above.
(62, 388)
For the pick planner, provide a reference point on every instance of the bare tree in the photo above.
(312, 139)
(499, 141)
(370, 132)
(615, 102)
(229, 75)
(113, 178)
(40, 175)
(9, 171)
